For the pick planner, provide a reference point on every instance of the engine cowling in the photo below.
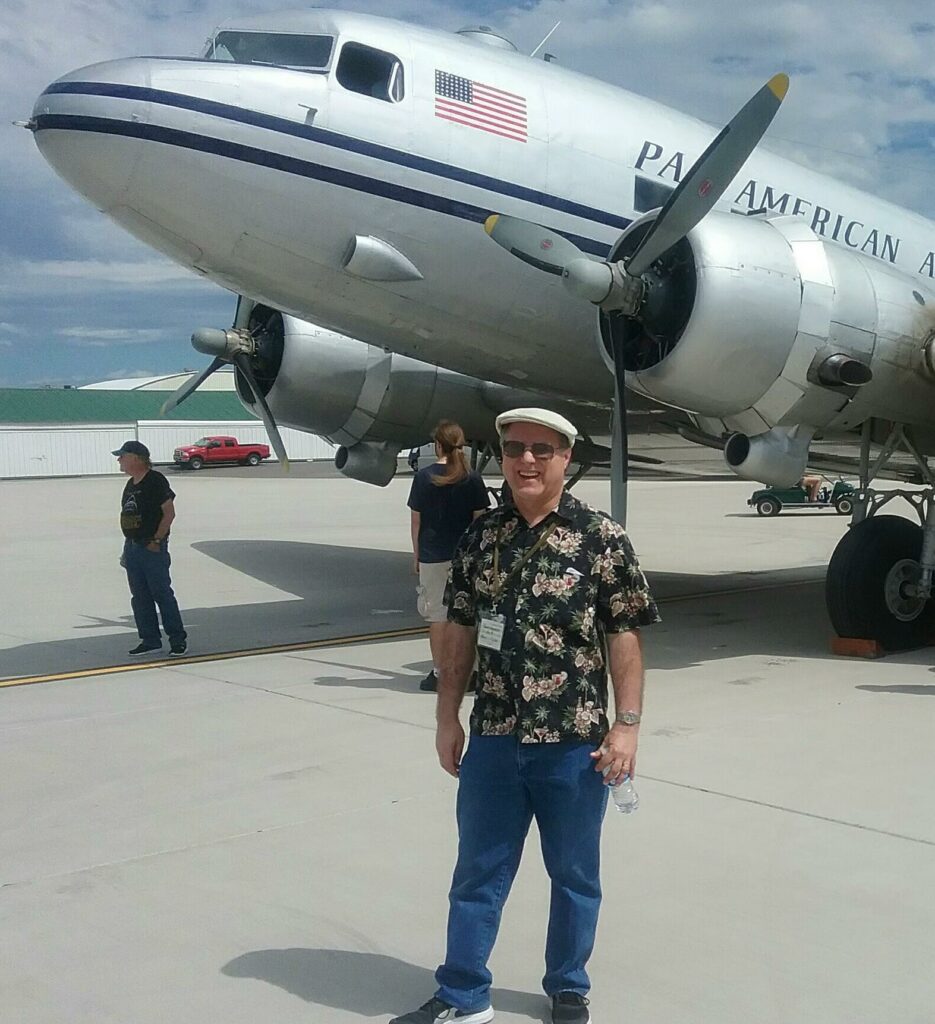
(754, 323)
(373, 403)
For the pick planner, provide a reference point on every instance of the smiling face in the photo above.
(536, 484)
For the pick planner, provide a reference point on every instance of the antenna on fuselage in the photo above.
(544, 41)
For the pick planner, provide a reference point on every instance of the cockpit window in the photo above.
(371, 72)
(283, 49)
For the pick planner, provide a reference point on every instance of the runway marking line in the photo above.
(194, 659)
(339, 641)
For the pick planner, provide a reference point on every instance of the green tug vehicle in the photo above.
(770, 501)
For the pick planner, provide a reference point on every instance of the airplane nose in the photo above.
(86, 125)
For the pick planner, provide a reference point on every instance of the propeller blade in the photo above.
(619, 446)
(189, 387)
(242, 312)
(538, 246)
(242, 362)
(710, 175)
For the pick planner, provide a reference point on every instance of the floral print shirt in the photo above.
(548, 681)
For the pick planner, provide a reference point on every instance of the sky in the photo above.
(82, 301)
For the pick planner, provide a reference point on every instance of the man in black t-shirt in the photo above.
(147, 510)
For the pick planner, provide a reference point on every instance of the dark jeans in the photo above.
(148, 576)
(502, 785)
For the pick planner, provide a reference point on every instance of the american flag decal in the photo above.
(480, 106)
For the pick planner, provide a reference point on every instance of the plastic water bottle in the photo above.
(626, 798)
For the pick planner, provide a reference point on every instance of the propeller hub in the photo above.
(588, 279)
(211, 341)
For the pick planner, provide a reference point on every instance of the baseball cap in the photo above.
(133, 448)
(544, 417)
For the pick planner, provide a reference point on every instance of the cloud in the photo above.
(42, 277)
(100, 337)
(912, 135)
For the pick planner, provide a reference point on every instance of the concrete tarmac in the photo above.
(270, 838)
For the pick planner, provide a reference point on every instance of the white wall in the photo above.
(85, 450)
(61, 451)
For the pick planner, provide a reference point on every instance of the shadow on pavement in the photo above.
(337, 591)
(366, 984)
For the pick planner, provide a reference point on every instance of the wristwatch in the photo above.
(628, 717)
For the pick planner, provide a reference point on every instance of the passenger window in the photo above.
(370, 72)
(649, 194)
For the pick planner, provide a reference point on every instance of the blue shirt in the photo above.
(445, 510)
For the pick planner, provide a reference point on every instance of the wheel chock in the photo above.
(856, 647)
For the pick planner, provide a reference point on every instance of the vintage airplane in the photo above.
(342, 168)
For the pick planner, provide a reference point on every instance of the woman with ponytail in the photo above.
(444, 498)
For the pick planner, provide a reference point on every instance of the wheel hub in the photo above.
(900, 590)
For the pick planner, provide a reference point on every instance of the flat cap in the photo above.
(544, 417)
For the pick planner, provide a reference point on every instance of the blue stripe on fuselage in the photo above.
(288, 165)
(326, 137)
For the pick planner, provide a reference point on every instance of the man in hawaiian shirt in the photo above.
(548, 594)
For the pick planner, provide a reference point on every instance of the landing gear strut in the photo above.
(880, 578)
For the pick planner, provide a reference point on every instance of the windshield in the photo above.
(282, 49)
(202, 442)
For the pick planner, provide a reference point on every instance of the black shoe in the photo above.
(430, 683)
(570, 1008)
(178, 648)
(437, 1010)
(142, 648)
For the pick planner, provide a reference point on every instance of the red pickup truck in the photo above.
(219, 449)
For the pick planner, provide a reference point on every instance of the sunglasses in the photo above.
(540, 449)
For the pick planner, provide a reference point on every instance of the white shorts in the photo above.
(433, 578)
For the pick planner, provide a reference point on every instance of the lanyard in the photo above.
(497, 588)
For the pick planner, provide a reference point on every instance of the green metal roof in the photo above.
(73, 405)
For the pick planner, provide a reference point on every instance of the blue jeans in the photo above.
(148, 576)
(503, 784)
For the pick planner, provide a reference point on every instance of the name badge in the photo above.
(490, 634)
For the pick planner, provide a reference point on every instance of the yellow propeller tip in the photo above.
(779, 85)
(491, 222)
(285, 465)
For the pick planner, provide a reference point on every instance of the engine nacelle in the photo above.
(372, 462)
(373, 403)
(777, 457)
(753, 323)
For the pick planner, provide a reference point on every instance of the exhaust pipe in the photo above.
(776, 458)
(840, 370)
(372, 462)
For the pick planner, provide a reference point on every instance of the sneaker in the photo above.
(144, 649)
(570, 1008)
(430, 683)
(437, 1010)
(178, 648)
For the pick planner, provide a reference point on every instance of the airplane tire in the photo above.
(864, 588)
(195, 463)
